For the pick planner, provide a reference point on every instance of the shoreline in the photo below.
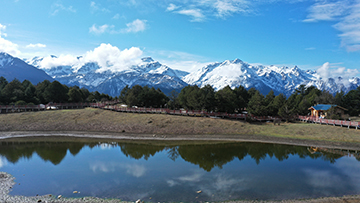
(175, 139)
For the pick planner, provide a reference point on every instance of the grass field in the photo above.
(97, 120)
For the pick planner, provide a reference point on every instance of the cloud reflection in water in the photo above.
(3, 162)
(135, 170)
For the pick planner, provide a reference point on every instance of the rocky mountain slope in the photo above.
(88, 75)
(12, 67)
(264, 78)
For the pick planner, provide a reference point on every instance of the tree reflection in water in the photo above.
(206, 156)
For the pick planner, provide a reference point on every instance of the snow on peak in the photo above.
(147, 60)
(5, 58)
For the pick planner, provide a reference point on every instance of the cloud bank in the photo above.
(108, 57)
(328, 70)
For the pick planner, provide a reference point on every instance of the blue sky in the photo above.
(186, 34)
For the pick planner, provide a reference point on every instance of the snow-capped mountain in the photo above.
(89, 75)
(12, 67)
(264, 78)
(152, 73)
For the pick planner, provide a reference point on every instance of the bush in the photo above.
(20, 103)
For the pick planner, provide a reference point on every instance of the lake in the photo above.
(192, 172)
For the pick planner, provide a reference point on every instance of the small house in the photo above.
(322, 110)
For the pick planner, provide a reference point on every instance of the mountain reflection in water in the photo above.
(156, 172)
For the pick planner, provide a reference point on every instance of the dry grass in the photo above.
(312, 132)
(108, 121)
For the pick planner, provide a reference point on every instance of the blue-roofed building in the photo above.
(321, 110)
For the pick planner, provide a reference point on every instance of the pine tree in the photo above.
(256, 105)
(226, 100)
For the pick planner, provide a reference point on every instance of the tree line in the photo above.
(25, 93)
(240, 99)
(190, 97)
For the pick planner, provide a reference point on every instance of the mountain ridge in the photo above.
(218, 74)
(14, 68)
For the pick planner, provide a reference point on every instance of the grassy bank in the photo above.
(97, 120)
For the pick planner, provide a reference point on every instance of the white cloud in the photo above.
(38, 45)
(58, 6)
(196, 14)
(171, 183)
(6, 45)
(2, 29)
(180, 60)
(323, 179)
(135, 26)
(323, 71)
(101, 29)
(135, 170)
(116, 16)
(96, 7)
(328, 70)
(349, 166)
(196, 177)
(199, 10)
(227, 8)
(350, 28)
(3, 162)
(171, 7)
(109, 58)
(105, 146)
(326, 11)
(347, 16)
(63, 60)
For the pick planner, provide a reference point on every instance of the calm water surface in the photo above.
(175, 173)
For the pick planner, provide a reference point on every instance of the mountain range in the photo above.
(154, 74)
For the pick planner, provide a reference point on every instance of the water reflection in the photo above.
(205, 156)
(155, 172)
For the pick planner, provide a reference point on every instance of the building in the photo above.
(322, 110)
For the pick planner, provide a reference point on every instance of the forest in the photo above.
(239, 100)
(25, 93)
(228, 100)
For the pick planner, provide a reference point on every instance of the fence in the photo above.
(111, 106)
(341, 123)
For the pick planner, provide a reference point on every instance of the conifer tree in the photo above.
(256, 105)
